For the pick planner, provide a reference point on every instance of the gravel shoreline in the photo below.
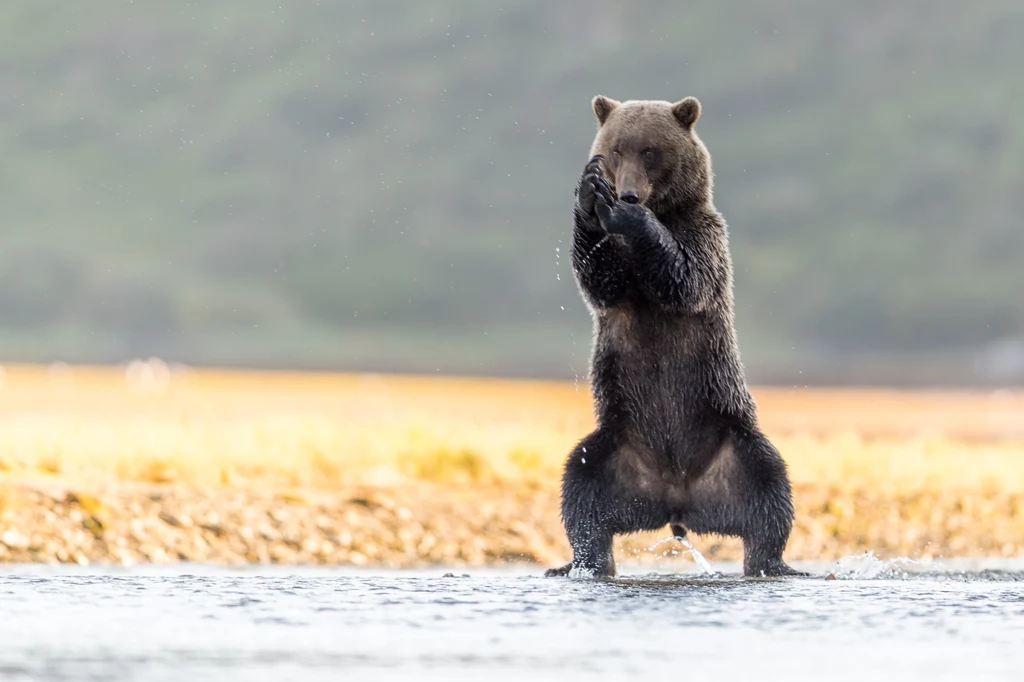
(417, 525)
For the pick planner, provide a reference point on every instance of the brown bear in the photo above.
(677, 441)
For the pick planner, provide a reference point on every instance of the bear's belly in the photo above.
(656, 375)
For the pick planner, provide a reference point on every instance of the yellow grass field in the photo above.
(148, 463)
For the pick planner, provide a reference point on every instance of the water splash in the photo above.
(698, 558)
(867, 566)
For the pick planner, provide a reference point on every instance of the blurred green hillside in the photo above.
(388, 185)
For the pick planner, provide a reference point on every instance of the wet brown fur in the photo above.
(680, 173)
(677, 439)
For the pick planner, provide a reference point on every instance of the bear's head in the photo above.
(652, 154)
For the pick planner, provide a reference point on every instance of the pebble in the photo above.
(14, 540)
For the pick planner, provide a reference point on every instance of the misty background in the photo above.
(388, 186)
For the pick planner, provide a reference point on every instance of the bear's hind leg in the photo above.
(594, 509)
(767, 507)
(745, 493)
(585, 508)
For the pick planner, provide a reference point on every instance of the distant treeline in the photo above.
(388, 186)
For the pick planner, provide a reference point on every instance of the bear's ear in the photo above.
(686, 111)
(603, 107)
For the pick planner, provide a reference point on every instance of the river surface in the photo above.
(858, 619)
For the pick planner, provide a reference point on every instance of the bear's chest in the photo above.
(653, 363)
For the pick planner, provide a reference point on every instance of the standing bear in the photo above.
(677, 441)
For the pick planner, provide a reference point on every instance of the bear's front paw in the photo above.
(591, 185)
(618, 217)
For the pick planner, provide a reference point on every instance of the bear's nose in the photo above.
(629, 197)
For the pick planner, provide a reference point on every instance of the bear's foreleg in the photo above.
(600, 263)
(681, 279)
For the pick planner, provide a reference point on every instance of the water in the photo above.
(874, 620)
(701, 562)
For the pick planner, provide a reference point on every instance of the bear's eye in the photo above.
(615, 153)
(649, 155)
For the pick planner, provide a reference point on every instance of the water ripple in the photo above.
(856, 619)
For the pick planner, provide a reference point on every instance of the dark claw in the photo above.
(586, 195)
(593, 185)
(604, 188)
(560, 571)
(606, 571)
(594, 165)
(603, 209)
